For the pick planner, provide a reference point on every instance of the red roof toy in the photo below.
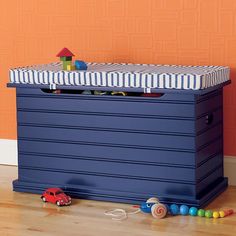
(65, 52)
(56, 196)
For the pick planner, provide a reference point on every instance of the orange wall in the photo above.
(143, 31)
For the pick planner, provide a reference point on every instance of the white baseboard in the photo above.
(9, 157)
(8, 150)
(230, 169)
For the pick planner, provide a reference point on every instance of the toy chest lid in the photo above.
(123, 77)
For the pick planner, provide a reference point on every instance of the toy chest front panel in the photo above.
(120, 148)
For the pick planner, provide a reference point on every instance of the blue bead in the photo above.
(174, 209)
(167, 208)
(184, 210)
(193, 211)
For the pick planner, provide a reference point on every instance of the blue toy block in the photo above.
(80, 65)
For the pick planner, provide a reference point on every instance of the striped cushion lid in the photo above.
(146, 76)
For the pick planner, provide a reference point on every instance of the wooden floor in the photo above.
(24, 214)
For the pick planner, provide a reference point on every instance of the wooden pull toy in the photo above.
(153, 206)
(159, 210)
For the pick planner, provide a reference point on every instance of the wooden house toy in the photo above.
(66, 57)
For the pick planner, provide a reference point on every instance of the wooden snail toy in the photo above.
(153, 206)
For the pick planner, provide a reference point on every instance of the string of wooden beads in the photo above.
(193, 211)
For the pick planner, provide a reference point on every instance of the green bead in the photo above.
(208, 214)
(201, 212)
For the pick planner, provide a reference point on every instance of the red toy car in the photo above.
(56, 196)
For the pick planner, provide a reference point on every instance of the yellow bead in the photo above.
(216, 214)
(222, 214)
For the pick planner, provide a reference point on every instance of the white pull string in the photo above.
(119, 214)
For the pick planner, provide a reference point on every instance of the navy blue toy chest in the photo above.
(121, 148)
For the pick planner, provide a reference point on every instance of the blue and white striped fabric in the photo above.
(146, 76)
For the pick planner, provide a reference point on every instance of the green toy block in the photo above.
(66, 63)
(66, 58)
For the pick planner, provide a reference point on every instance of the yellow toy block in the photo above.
(70, 67)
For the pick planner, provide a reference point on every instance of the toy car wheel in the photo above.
(58, 203)
(44, 199)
